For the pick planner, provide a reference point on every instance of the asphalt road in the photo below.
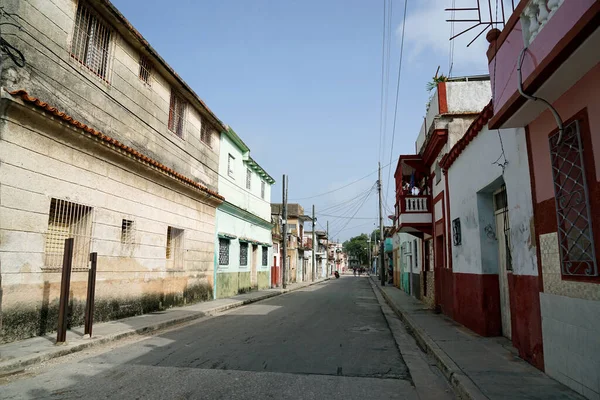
(328, 341)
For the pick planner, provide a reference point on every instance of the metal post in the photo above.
(381, 266)
(314, 246)
(327, 253)
(284, 234)
(65, 285)
(91, 293)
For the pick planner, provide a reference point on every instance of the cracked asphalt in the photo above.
(328, 341)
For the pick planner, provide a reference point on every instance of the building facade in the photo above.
(102, 142)
(243, 234)
(548, 50)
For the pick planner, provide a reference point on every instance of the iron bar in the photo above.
(65, 286)
(91, 293)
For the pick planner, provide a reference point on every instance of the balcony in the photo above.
(558, 41)
(415, 214)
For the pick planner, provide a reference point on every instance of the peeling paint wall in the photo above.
(472, 180)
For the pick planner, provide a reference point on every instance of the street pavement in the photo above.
(334, 340)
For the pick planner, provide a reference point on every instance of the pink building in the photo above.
(553, 45)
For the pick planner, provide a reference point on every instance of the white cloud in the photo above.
(427, 35)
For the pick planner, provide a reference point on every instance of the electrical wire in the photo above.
(384, 31)
(341, 187)
(353, 216)
(397, 93)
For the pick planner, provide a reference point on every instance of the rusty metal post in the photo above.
(65, 285)
(91, 293)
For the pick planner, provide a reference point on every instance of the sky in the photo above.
(300, 81)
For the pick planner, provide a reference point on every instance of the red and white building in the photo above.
(556, 315)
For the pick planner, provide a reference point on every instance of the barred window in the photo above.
(575, 236)
(206, 133)
(91, 41)
(145, 69)
(223, 251)
(230, 162)
(243, 253)
(68, 220)
(127, 231)
(176, 113)
(265, 256)
(262, 189)
(248, 179)
(174, 249)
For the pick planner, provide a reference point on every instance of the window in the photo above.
(456, 234)
(127, 232)
(243, 253)
(416, 254)
(206, 133)
(262, 189)
(174, 249)
(265, 256)
(438, 173)
(145, 69)
(223, 251)
(248, 179)
(68, 220)
(176, 113)
(230, 162)
(575, 236)
(275, 248)
(91, 41)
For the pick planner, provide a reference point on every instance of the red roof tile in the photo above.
(107, 139)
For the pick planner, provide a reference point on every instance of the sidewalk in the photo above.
(476, 366)
(17, 355)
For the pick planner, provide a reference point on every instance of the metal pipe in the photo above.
(534, 98)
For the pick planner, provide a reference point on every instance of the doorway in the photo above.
(253, 279)
(504, 257)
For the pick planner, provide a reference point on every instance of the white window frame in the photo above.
(230, 165)
(248, 179)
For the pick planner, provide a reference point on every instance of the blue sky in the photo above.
(300, 82)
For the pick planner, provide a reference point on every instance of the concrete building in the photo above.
(453, 107)
(243, 234)
(337, 257)
(297, 263)
(321, 253)
(557, 303)
(491, 233)
(100, 141)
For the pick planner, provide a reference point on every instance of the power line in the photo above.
(384, 31)
(340, 188)
(397, 92)
(353, 215)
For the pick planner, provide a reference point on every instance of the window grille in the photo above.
(91, 41)
(575, 236)
(127, 231)
(230, 162)
(438, 173)
(265, 256)
(176, 113)
(206, 133)
(416, 254)
(456, 233)
(243, 253)
(145, 69)
(262, 189)
(223, 252)
(248, 179)
(68, 220)
(174, 250)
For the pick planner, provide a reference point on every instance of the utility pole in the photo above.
(314, 246)
(284, 234)
(327, 252)
(381, 267)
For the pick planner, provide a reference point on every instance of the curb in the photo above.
(16, 366)
(462, 384)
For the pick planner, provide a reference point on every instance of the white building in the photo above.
(244, 224)
(100, 141)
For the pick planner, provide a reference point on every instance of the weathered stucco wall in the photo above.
(41, 160)
(471, 190)
(126, 108)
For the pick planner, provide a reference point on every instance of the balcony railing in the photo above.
(414, 204)
(535, 15)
